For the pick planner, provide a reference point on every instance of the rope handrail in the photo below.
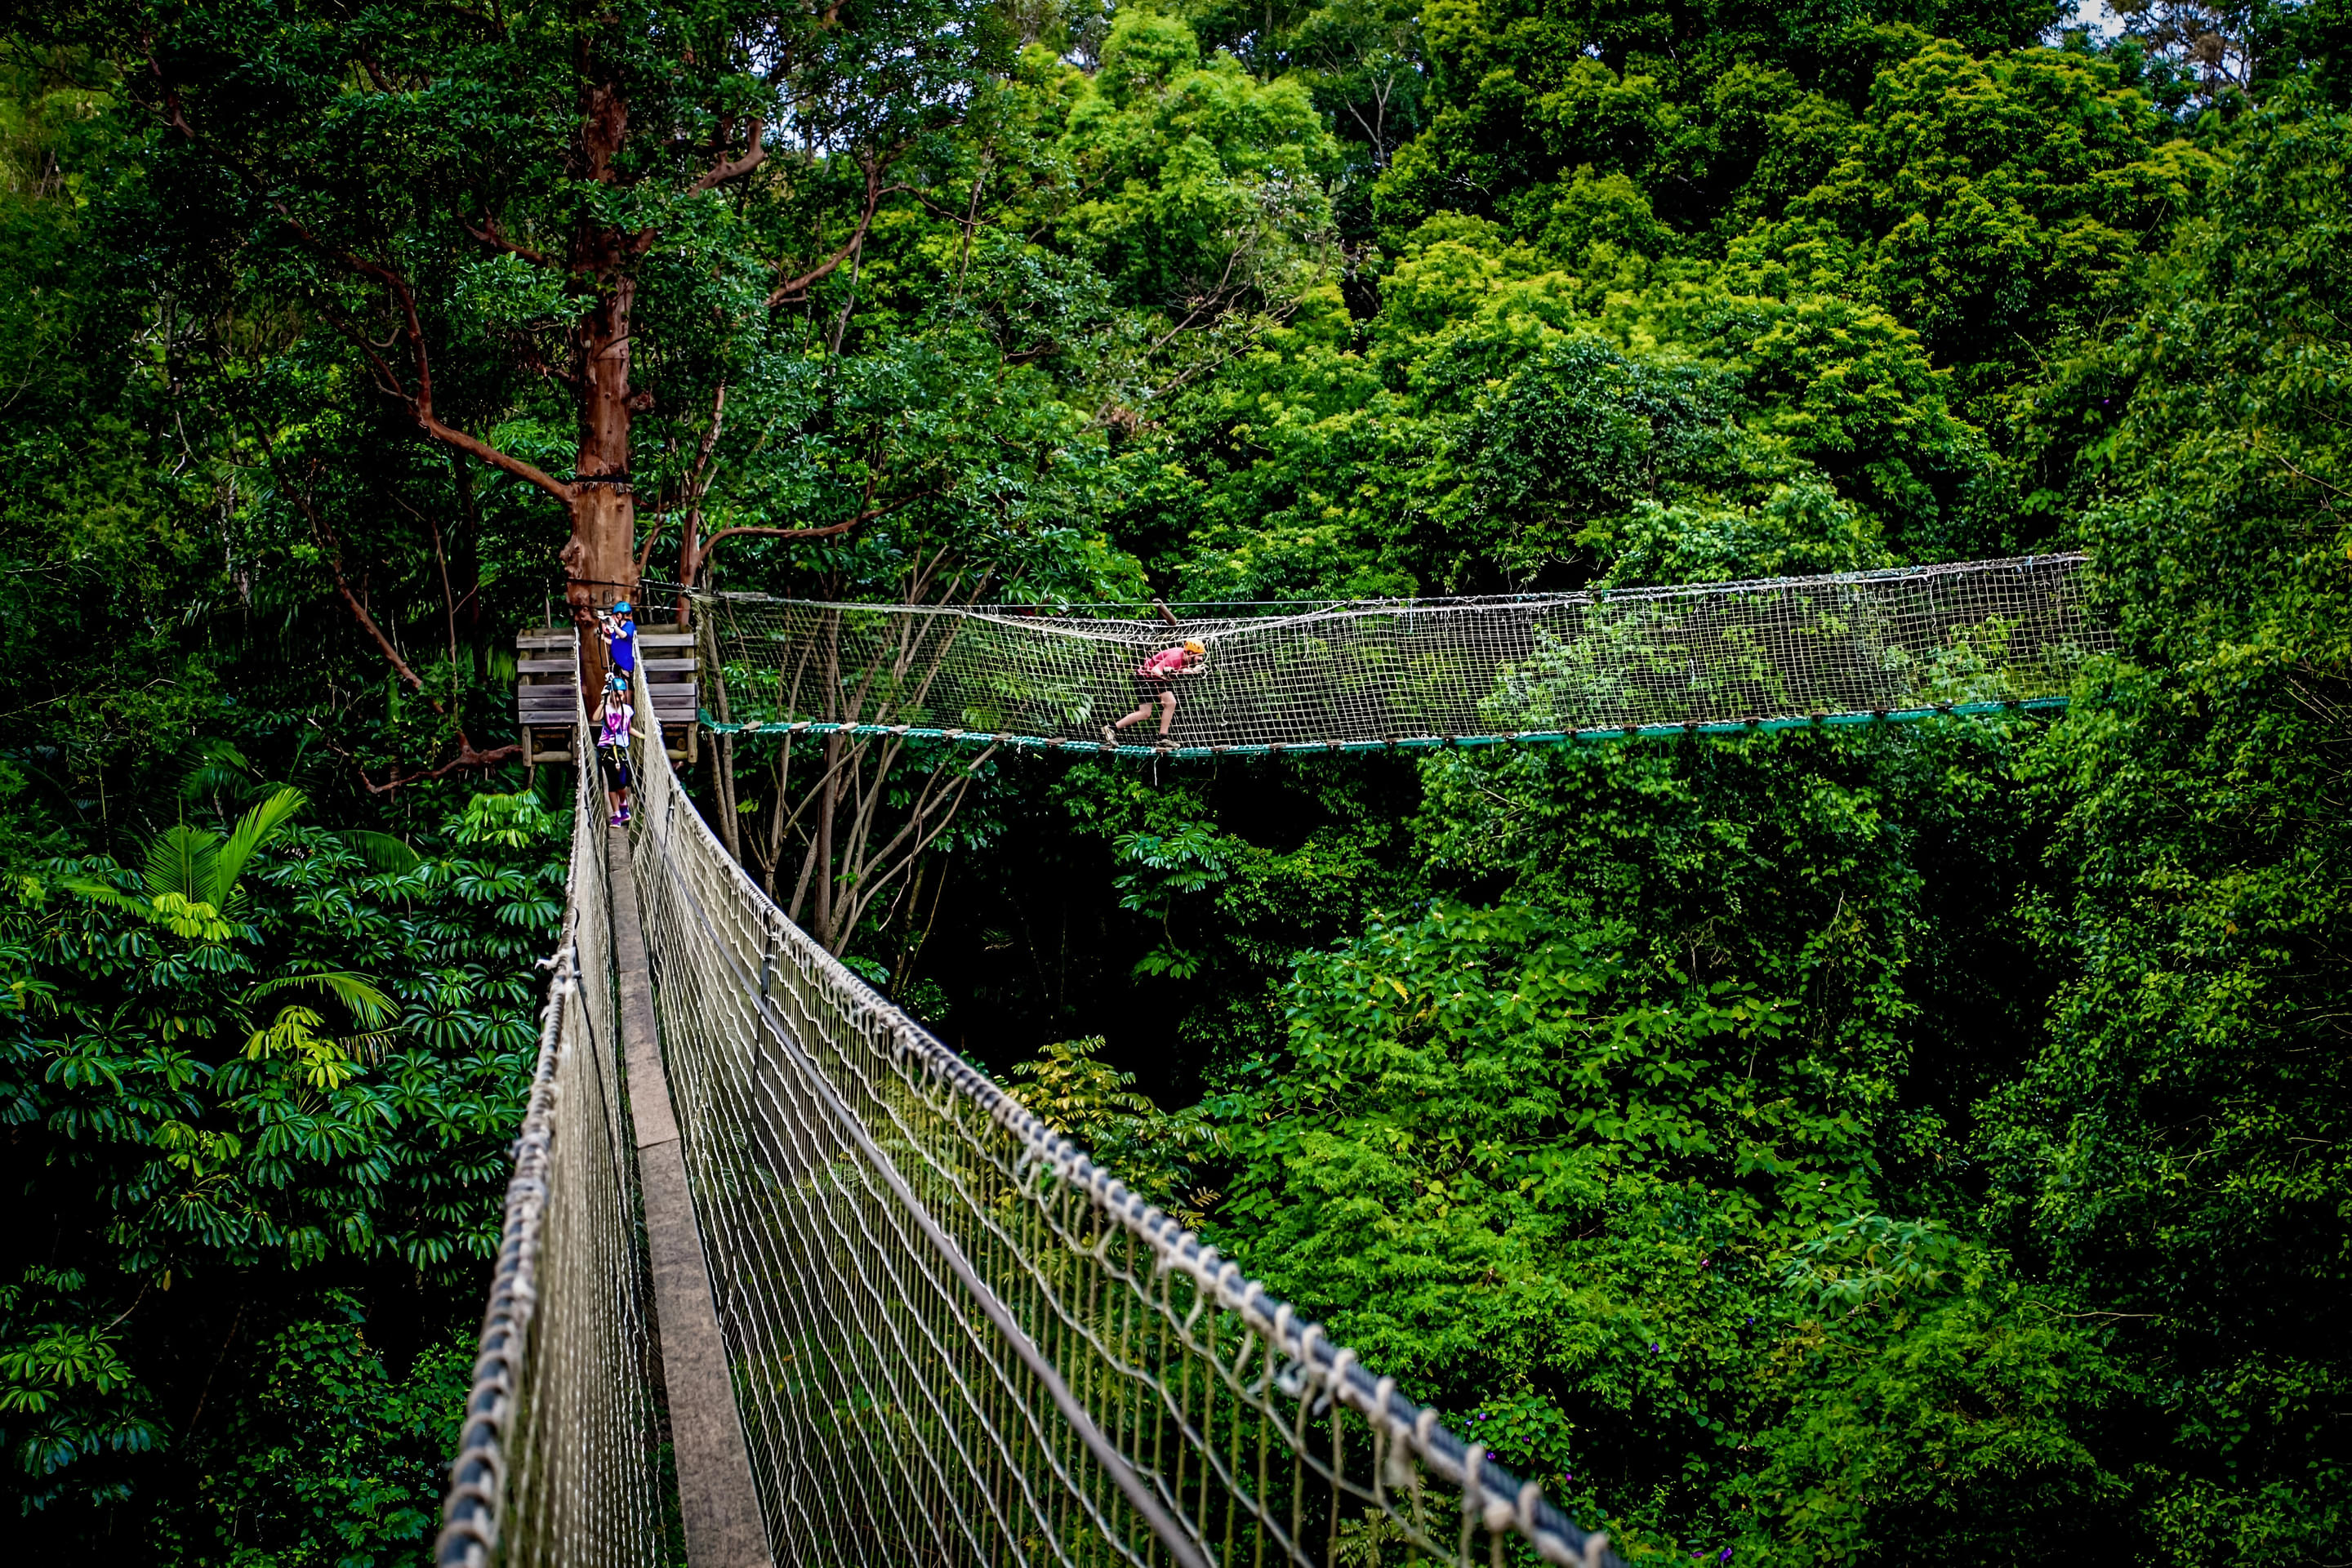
(1115, 609)
(1495, 1501)
(1889, 645)
(558, 1452)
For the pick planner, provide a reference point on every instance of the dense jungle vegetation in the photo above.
(1915, 1146)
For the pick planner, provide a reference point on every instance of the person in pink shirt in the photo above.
(1154, 687)
(615, 725)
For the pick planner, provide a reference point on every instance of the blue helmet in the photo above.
(622, 608)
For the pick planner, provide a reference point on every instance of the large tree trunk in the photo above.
(601, 558)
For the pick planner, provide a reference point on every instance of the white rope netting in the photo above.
(957, 1340)
(558, 1459)
(1852, 648)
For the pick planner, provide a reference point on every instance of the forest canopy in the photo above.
(1914, 1143)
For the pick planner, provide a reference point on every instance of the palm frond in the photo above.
(356, 992)
(252, 829)
(219, 768)
(382, 851)
(184, 860)
(113, 898)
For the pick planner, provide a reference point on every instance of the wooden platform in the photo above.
(547, 682)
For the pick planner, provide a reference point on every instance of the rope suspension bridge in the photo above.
(771, 1244)
(1855, 648)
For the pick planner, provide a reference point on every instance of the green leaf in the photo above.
(184, 860)
(382, 851)
(252, 830)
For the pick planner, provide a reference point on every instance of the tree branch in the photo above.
(466, 757)
(420, 401)
(796, 289)
(489, 234)
(868, 515)
(755, 153)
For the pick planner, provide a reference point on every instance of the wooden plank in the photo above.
(566, 639)
(559, 710)
(547, 667)
(719, 1501)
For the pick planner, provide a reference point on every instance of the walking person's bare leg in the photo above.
(1144, 710)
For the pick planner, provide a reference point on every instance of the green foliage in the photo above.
(1168, 867)
(1203, 183)
(1095, 1104)
(2179, 1147)
(338, 1462)
(216, 1125)
(1917, 1146)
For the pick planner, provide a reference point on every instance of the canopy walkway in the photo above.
(1855, 648)
(877, 1311)
(770, 1243)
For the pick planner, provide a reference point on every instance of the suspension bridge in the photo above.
(783, 1280)
(1328, 675)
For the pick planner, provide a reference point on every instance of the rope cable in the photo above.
(1077, 1339)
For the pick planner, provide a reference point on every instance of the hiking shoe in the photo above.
(617, 820)
(1110, 736)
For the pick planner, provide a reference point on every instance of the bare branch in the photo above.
(755, 153)
(795, 288)
(828, 531)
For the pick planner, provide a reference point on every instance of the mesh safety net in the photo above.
(558, 1456)
(1856, 647)
(956, 1339)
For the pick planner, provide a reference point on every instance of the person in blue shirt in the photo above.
(620, 628)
